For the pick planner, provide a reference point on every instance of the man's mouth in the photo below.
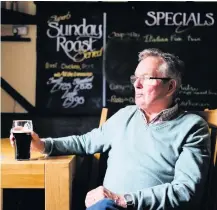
(139, 95)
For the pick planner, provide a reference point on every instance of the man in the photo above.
(158, 156)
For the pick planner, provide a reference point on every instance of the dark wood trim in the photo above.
(17, 96)
(16, 18)
(14, 39)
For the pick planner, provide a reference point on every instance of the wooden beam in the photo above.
(17, 96)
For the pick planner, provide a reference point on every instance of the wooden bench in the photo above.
(209, 201)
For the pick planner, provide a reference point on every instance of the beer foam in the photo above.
(20, 129)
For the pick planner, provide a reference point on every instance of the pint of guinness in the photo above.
(22, 133)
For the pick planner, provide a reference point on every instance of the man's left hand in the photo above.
(100, 193)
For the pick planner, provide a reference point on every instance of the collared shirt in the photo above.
(164, 115)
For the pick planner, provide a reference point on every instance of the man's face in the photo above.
(150, 93)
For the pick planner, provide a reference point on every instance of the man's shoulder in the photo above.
(125, 111)
(128, 109)
(189, 117)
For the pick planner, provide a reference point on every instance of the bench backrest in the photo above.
(209, 201)
(96, 169)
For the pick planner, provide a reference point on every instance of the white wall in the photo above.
(18, 64)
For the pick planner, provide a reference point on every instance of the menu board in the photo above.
(85, 59)
(186, 30)
(69, 60)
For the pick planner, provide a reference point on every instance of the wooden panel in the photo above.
(94, 173)
(210, 116)
(22, 176)
(215, 153)
(58, 185)
(103, 116)
(1, 199)
(31, 174)
(8, 154)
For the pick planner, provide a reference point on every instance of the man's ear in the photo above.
(171, 87)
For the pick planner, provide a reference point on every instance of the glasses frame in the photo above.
(133, 78)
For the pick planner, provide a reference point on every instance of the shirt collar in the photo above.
(164, 115)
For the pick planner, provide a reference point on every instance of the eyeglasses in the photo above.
(147, 79)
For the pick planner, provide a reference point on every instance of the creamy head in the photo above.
(20, 129)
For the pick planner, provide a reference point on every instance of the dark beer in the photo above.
(22, 144)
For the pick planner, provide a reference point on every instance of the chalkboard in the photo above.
(69, 60)
(186, 29)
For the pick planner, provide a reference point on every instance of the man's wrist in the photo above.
(120, 201)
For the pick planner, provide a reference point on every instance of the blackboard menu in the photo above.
(186, 30)
(69, 60)
(104, 43)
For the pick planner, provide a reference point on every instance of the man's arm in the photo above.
(190, 175)
(98, 140)
(89, 143)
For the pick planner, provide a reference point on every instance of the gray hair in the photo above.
(174, 67)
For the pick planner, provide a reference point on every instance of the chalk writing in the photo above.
(115, 99)
(193, 39)
(73, 74)
(51, 65)
(113, 86)
(56, 18)
(189, 90)
(93, 54)
(70, 90)
(86, 35)
(87, 66)
(183, 21)
(70, 66)
(191, 103)
(211, 93)
(124, 35)
(151, 38)
(175, 38)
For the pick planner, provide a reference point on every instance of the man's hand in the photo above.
(100, 193)
(36, 144)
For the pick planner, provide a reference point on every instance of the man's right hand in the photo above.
(37, 144)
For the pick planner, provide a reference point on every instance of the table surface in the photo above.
(8, 156)
(54, 174)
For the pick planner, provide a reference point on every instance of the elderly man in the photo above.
(158, 155)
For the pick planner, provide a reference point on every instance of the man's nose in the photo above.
(138, 84)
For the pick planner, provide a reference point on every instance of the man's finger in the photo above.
(35, 136)
(12, 139)
(12, 143)
(90, 202)
(32, 148)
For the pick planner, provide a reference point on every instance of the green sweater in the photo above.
(163, 165)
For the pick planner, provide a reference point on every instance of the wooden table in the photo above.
(54, 174)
